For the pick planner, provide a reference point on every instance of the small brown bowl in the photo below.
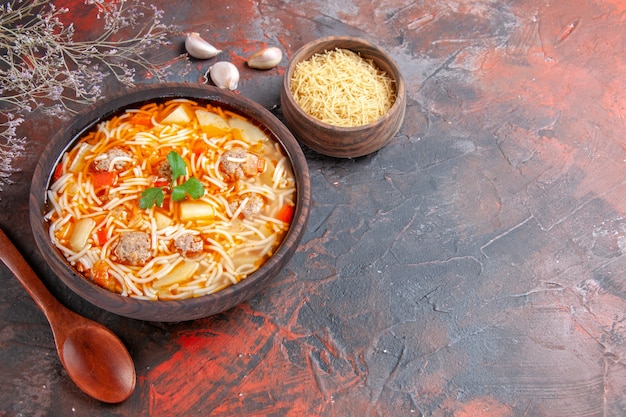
(337, 141)
(168, 310)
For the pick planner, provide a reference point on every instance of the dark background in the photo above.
(472, 267)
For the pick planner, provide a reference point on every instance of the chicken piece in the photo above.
(238, 164)
(252, 206)
(189, 245)
(101, 277)
(133, 248)
(115, 159)
(164, 170)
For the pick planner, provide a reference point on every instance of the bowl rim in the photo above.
(67, 135)
(301, 55)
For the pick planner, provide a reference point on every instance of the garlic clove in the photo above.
(265, 58)
(199, 48)
(224, 75)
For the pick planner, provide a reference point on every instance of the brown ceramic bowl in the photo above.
(175, 310)
(336, 141)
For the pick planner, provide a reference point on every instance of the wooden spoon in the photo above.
(94, 358)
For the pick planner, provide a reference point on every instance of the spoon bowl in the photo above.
(82, 354)
(93, 356)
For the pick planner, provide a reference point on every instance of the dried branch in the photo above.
(43, 67)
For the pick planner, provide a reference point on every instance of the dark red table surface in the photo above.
(475, 266)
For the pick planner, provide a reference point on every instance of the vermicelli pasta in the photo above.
(341, 88)
(156, 232)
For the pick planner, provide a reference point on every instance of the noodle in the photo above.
(234, 223)
(341, 88)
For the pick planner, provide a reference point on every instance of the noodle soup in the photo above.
(171, 200)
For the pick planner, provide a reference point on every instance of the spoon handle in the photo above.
(14, 260)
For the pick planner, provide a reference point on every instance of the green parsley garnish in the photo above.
(178, 165)
(150, 197)
(192, 187)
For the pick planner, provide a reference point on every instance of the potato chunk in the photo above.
(196, 210)
(212, 124)
(81, 233)
(180, 115)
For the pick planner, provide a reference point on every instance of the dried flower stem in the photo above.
(43, 67)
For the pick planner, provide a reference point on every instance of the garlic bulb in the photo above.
(199, 48)
(224, 75)
(265, 58)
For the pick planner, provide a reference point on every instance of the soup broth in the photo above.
(171, 200)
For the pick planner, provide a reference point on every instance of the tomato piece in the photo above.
(161, 182)
(142, 119)
(104, 179)
(199, 148)
(102, 236)
(58, 171)
(285, 214)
